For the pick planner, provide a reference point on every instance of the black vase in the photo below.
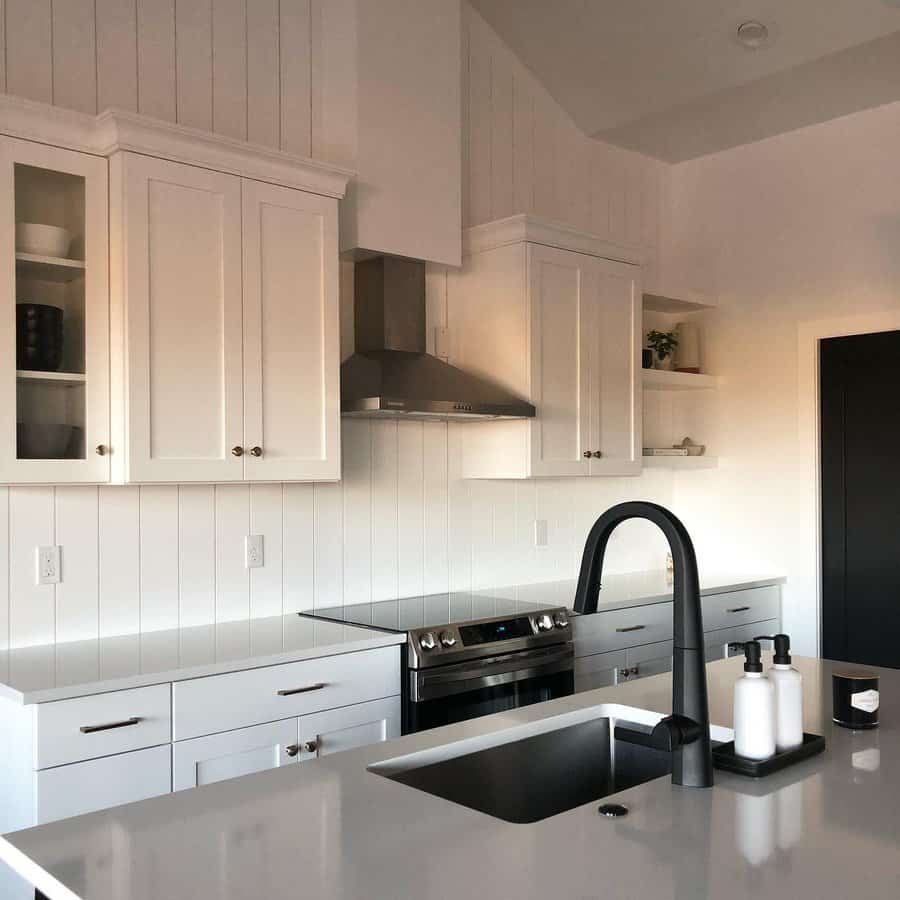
(39, 337)
(647, 359)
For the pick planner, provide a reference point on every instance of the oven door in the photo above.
(465, 690)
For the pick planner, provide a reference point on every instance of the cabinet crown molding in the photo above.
(116, 130)
(536, 230)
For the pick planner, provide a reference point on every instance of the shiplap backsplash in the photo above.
(401, 522)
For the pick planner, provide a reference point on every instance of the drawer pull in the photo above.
(738, 609)
(125, 723)
(302, 690)
(631, 628)
(629, 672)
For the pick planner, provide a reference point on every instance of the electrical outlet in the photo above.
(253, 551)
(540, 533)
(48, 571)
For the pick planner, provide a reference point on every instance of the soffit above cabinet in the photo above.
(116, 130)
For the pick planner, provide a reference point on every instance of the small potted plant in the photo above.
(663, 344)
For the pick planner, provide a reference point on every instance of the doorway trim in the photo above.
(810, 335)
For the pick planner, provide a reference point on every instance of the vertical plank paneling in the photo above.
(649, 203)
(120, 560)
(501, 132)
(479, 125)
(159, 557)
(156, 58)
(459, 513)
(196, 554)
(29, 57)
(329, 545)
(229, 62)
(523, 145)
(384, 510)
(356, 449)
(77, 595)
(32, 618)
(266, 518)
(4, 553)
(116, 54)
(600, 189)
(434, 486)
(617, 195)
(298, 527)
(545, 198)
(193, 63)
(525, 549)
(3, 45)
(232, 526)
(75, 55)
(633, 197)
(296, 70)
(263, 72)
(410, 509)
(481, 532)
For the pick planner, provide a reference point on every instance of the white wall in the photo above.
(799, 236)
(401, 522)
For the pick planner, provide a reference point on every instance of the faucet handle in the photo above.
(673, 732)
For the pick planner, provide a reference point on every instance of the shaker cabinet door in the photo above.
(291, 338)
(179, 270)
(54, 315)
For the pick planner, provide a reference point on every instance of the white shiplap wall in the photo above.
(401, 522)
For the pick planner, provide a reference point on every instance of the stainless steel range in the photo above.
(458, 666)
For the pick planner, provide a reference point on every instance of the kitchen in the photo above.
(259, 156)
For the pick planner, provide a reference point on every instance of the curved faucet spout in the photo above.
(691, 762)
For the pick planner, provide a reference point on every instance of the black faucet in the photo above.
(686, 732)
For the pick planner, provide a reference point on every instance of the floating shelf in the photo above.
(663, 303)
(680, 462)
(62, 379)
(660, 380)
(49, 268)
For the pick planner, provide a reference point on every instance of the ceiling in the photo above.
(669, 78)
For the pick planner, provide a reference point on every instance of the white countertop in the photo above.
(80, 668)
(824, 829)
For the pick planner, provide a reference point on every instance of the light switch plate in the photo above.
(253, 551)
(540, 533)
(48, 570)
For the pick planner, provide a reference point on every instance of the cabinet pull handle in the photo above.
(597, 454)
(125, 723)
(627, 673)
(586, 454)
(310, 746)
(237, 451)
(256, 451)
(100, 450)
(302, 690)
(738, 609)
(631, 628)
(292, 749)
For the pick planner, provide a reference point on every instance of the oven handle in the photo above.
(433, 684)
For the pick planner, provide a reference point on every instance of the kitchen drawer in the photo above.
(738, 607)
(617, 629)
(717, 641)
(102, 783)
(598, 670)
(101, 725)
(224, 702)
(649, 659)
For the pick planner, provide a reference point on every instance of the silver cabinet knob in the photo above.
(426, 641)
(586, 454)
(237, 451)
(447, 638)
(292, 750)
(100, 450)
(560, 620)
(597, 454)
(256, 451)
(310, 746)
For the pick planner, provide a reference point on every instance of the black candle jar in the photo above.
(856, 699)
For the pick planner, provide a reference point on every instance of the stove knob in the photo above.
(447, 639)
(544, 623)
(426, 642)
(560, 620)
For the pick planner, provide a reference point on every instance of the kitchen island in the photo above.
(826, 828)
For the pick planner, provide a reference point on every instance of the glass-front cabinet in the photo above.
(54, 315)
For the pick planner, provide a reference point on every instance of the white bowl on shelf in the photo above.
(42, 240)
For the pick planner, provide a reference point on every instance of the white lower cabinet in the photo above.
(102, 783)
(353, 726)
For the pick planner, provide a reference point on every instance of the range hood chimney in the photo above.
(390, 374)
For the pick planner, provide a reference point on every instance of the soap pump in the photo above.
(754, 708)
(788, 695)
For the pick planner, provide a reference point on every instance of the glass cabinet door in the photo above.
(54, 315)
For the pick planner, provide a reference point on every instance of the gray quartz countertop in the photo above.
(80, 668)
(825, 828)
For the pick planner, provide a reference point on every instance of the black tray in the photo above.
(725, 758)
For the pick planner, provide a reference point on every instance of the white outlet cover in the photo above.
(48, 565)
(253, 551)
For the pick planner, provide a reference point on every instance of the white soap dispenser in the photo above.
(754, 708)
(788, 695)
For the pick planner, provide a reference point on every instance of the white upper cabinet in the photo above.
(291, 335)
(54, 315)
(561, 328)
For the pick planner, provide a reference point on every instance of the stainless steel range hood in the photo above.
(390, 374)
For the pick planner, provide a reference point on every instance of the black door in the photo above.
(860, 435)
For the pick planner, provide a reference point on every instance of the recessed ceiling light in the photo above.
(753, 35)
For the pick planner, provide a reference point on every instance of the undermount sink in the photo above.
(533, 777)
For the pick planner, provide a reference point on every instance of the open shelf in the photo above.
(663, 303)
(661, 380)
(63, 379)
(57, 269)
(680, 462)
